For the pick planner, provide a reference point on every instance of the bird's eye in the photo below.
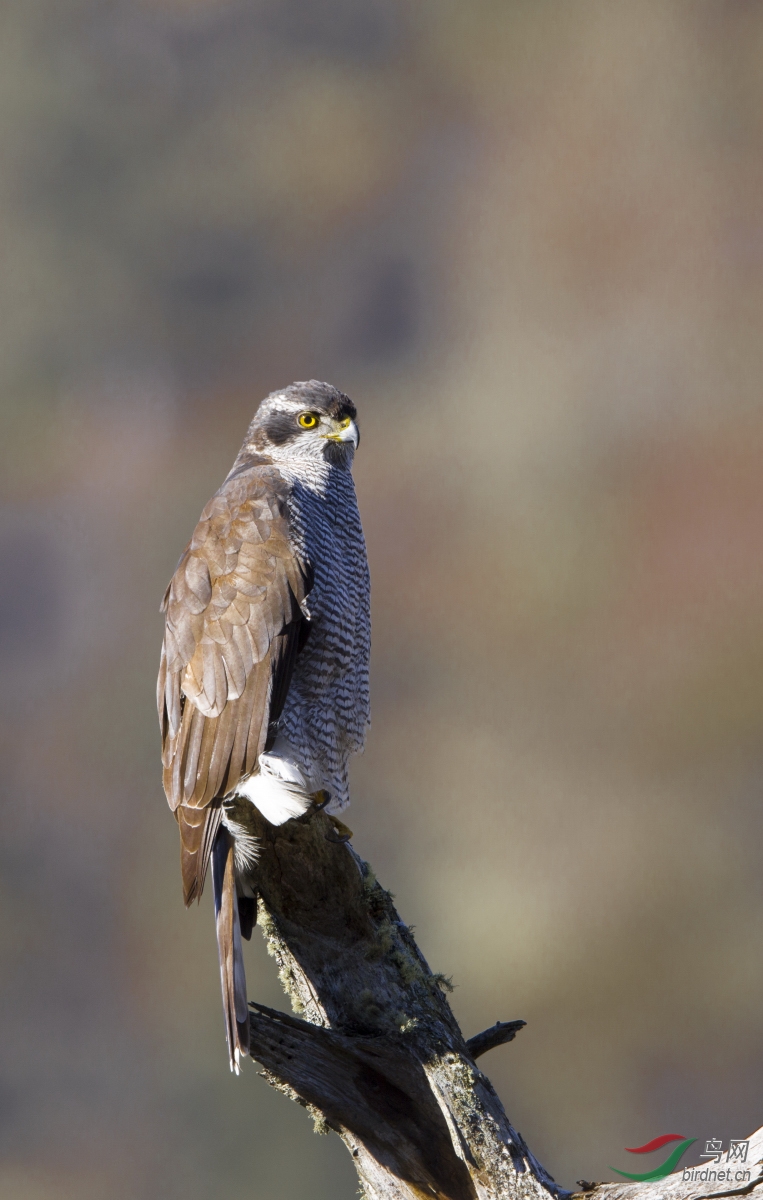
(308, 420)
(345, 424)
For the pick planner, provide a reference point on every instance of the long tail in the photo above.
(232, 974)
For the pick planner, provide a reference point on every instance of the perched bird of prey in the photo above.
(263, 682)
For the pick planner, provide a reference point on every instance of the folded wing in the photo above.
(235, 621)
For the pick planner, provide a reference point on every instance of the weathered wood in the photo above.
(496, 1035)
(374, 1052)
(677, 1187)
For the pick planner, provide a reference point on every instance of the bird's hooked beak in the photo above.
(344, 431)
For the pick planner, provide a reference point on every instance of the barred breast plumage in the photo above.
(327, 707)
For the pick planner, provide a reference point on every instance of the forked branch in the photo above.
(375, 1053)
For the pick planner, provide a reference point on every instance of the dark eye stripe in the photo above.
(281, 428)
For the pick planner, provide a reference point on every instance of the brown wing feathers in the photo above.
(233, 621)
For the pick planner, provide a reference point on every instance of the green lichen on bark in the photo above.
(279, 1085)
(277, 949)
(391, 933)
(443, 982)
(320, 1124)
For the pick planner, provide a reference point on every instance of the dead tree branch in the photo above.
(374, 1052)
(496, 1035)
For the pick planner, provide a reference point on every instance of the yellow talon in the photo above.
(344, 833)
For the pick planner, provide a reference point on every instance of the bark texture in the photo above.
(374, 1052)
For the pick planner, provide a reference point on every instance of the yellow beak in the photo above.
(342, 432)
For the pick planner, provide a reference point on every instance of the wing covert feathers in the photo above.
(233, 622)
(232, 975)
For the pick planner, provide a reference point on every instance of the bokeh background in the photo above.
(527, 238)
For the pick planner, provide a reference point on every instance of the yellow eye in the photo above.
(345, 424)
(308, 420)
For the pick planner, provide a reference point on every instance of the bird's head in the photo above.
(306, 421)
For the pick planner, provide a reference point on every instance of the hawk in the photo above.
(263, 683)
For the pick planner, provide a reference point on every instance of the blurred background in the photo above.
(527, 239)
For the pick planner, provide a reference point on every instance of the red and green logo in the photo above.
(671, 1162)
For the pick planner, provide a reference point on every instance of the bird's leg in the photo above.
(320, 800)
(342, 834)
